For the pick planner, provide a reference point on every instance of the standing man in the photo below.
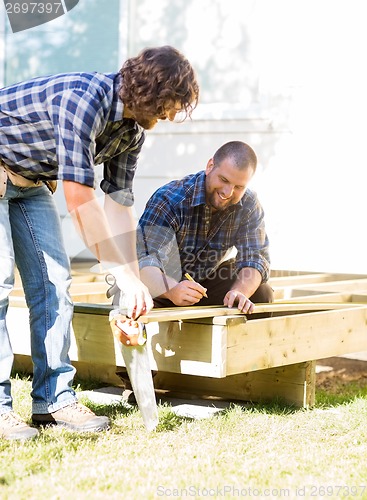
(210, 226)
(60, 127)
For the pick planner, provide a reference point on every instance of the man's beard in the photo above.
(146, 123)
(212, 200)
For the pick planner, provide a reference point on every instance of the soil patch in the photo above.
(335, 373)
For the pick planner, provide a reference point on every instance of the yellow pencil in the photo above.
(187, 276)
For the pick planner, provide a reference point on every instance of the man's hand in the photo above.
(99, 228)
(186, 293)
(248, 281)
(134, 297)
(243, 303)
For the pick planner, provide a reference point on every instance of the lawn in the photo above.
(256, 452)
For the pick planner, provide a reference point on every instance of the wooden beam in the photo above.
(292, 384)
(172, 346)
(184, 313)
(332, 297)
(311, 278)
(188, 348)
(286, 340)
(351, 285)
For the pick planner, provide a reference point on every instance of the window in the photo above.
(84, 39)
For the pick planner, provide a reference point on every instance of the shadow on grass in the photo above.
(328, 394)
(88, 384)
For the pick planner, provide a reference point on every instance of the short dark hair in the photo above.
(240, 153)
(158, 77)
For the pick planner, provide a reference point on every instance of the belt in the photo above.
(20, 181)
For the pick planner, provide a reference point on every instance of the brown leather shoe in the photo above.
(13, 427)
(75, 417)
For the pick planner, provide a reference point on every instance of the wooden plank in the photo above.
(280, 273)
(89, 287)
(191, 348)
(292, 339)
(90, 298)
(223, 346)
(352, 285)
(304, 279)
(333, 297)
(96, 371)
(284, 281)
(93, 341)
(358, 297)
(182, 313)
(86, 371)
(267, 342)
(191, 312)
(312, 278)
(90, 292)
(292, 384)
(87, 298)
(172, 346)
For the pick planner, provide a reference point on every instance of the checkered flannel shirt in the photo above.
(178, 232)
(61, 126)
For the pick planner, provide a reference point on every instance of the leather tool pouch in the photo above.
(52, 185)
(3, 181)
(20, 181)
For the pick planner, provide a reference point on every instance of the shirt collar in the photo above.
(198, 197)
(117, 107)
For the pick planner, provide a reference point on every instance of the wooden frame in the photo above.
(217, 352)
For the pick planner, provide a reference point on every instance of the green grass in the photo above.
(256, 452)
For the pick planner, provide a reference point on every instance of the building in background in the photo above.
(287, 77)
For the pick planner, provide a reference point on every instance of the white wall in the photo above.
(309, 133)
(287, 77)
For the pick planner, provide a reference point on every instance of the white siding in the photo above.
(286, 76)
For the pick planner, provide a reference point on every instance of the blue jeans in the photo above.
(30, 236)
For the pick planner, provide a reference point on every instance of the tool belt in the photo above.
(20, 181)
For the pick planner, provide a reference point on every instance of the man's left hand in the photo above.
(243, 303)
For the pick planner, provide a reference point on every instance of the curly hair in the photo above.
(158, 78)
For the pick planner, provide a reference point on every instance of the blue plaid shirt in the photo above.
(179, 234)
(59, 127)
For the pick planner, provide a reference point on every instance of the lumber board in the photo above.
(286, 284)
(93, 341)
(172, 346)
(332, 297)
(182, 313)
(215, 351)
(91, 292)
(188, 348)
(86, 298)
(297, 279)
(85, 371)
(228, 345)
(352, 285)
(222, 346)
(292, 339)
(292, 384)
